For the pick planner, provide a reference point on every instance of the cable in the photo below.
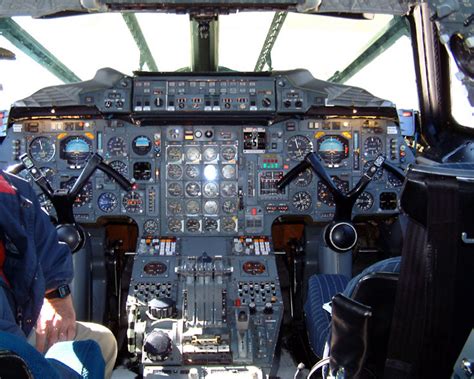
(317, 366)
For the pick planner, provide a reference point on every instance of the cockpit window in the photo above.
(461, 110)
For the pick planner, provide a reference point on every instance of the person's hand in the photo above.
(56, 322)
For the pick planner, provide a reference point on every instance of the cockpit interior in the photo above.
(215, 213)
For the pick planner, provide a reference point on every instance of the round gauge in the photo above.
(304, 178)
(117, 146)
(132, 202)
(298, 147)
(228, 224)
(193, 189)
(76, 149)
(175, 225)
(228, 153)
(301, 200)
(107, 202)
(154, 268)
(393, 181)
(365, 201)
(229, 206)
(253, 268)
(42, 149)
(228, 171)
(192, 171)
(174, 171)
(378, 174)
(45, 203)
(210, 224)
(175, 189)
(141, 145)
(193, 225)
(229, 189)
(325, 196)
(210, 153)
(193, 154)
(211, 207)
(120, 167)
(174, 207)
(193, 207)
(211, 189)
(84, 196)
(150, 227)
(372, 146)
(174, 154)
(333, 149)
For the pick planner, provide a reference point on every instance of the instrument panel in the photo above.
(215, 179)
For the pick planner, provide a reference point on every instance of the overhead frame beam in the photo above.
(395, 29)
(136, 31)
(273, 32)
(21, 39)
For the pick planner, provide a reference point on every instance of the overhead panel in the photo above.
(31, 47)
(397, 28)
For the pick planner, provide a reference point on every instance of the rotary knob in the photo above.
(157, 345)
(162, 307)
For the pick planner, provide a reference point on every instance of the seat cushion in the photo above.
(321, 289)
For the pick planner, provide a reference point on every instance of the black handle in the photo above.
(292, 174)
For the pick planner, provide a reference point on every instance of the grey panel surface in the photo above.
(399, 7)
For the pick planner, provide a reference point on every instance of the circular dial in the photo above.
(365, 201)
(211, 189)
(45, 203)
(174, 154)
(193, 207)
(372, 146)
(42, 149)
(107, 202)
(301, 200)
(228, 153)
(393, 180)
(84, 196)
(192, 171)
(175, 225)
(228, 171)
(76, 149)
(229, 189)
(333, 149)
(174, 207)
(228, 224)
(304, 178)
(154, 268)
(298, 147)
(117, 146)
(378, 174)
(193, 189)
(193, 225)
(229, 206)
(175, 189)
(211, 207)
(193, 154)
(174, 171)
(210, 153)
(141, 145)
(325, 196)
(132, 202)
(120, 166)
(150, 227)
(210, 224)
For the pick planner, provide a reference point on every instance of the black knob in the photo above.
(268, 308)
(266, 102)
(341, 236)
(287, 103)
(108, 103)
(208, 133)
(298, 103)
(157, 345)
(162, 307)
(159, 102)
(119, 103)
(252, 308)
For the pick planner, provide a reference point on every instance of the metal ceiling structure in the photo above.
(395, 29)
(31, 47)
(136, 31)
(265, 56)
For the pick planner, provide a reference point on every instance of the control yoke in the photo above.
(340, 234)
(63, 199)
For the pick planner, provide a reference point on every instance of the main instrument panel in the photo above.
(205, 154)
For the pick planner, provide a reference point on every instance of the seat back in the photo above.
(12, 366)
(377, 290)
